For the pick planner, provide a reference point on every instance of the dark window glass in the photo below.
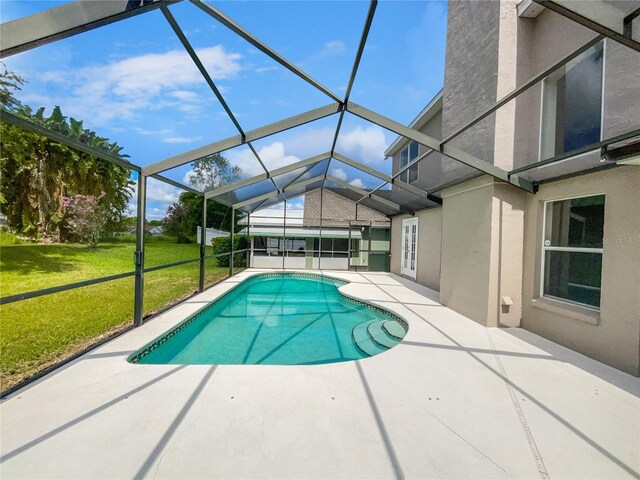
(572, 111)
(413, 173)
(295, 246)
(413, 151)
(579, 104)
(327, 245)
(404, 157)
(578, 222)
(340, 244)
(573, 276)
(404, 160)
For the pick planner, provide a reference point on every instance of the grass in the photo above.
(41, 331)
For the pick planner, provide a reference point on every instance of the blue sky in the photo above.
(132, 81)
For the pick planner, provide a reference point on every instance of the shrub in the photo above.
(223, 245)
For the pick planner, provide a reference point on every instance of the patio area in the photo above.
(453, 400)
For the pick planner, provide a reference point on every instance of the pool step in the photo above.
(379, 335)
(364, 342)
(394, 329)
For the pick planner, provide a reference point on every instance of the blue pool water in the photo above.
(280, 319)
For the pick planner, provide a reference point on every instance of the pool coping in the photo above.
(149, 347)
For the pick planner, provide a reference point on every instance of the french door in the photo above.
(409, 260)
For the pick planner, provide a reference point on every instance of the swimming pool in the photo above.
(282, 318)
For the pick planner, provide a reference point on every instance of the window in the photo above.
(572, 250)
(333, 247)
(408, 155)
(572, 104)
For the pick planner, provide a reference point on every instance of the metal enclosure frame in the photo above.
(74, 18)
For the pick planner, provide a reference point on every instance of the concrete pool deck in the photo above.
(452, 400)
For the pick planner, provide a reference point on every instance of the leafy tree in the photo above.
(218, 215)
(178, 223)
(212, 172)
(37, 173)
(183, 218)
(86, 217)
(9, 83)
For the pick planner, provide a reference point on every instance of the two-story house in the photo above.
(565, 262)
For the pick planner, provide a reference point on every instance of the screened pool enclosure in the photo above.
(307, 230)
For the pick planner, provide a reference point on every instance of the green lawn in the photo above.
(38, 332)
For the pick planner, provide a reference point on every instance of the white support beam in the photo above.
(259, 198)
(386, 178)
(434, 144)
(370, 195)
(304, 183)
(65, 21)
(362, 167)
(237, 140)
(263, 176)
(275, 193)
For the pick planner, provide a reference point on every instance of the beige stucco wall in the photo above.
(613, 336)
(396, 243)
(482, 248)
(430, 238)
(466, 247)
(429, 246)
(506, 264)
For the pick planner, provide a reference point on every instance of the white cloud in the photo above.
(155, 72)
(181, 139)
(159, 196)
(144, 131)
(120, 89)
(156, 213)
(185, 95)
(333, 47)
(54, 77)
(132, 208)
(273, 156)
(368, 144)
(297, 204)
(365, 145)
(158, 191)
(266, 69)
(339, 173)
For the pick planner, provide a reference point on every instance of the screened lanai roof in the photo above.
(249, 144)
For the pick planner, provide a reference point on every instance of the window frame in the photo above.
(543, 93)
(544, 249)
(404, 176)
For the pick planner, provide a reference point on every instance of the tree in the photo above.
(37, 173)
(212, 172)
(9, 83)
(183, 218)
(86, 217)
(178, 223)
(218, 215)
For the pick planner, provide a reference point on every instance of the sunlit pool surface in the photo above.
(278, 319)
